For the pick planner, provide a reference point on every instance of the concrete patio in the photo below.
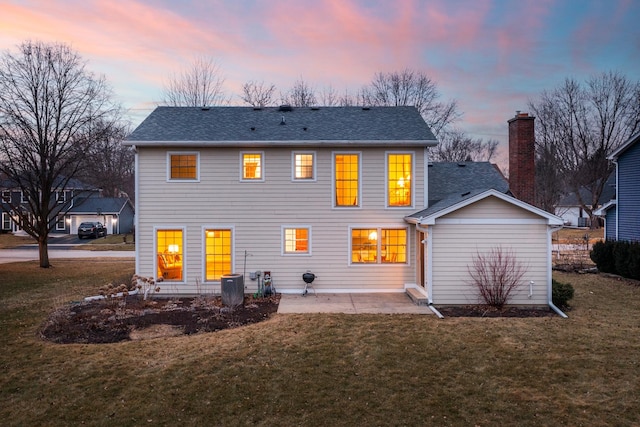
(354, 303)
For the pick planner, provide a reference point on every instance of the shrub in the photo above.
(561, 293)
(496, 274)
(602, 255)
(618, 257)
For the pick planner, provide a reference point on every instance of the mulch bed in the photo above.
(132, 318)
(486, 311)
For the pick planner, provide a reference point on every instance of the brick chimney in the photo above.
(521, 157)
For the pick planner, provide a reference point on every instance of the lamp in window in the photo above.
(373, 236)
(173, 249)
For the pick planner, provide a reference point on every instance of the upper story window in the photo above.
(24, 198)
(252, 166)
(183, 166)
(6, 196)
(399, 174)
(295, 240)
(347, 179)
(304, 166)
(61, 196)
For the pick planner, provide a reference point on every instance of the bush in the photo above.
(496, 274)
(602, 255)
(617, 257)
(561, 293)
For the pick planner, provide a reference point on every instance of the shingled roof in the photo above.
(448, 178)
(220, 126)
(453, 182)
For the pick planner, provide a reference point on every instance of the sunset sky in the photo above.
(491, 56)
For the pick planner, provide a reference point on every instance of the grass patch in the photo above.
(8, 240)
(323, 369)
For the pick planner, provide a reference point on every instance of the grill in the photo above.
(308, 279)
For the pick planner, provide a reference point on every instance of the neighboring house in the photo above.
(347, 193)
(570, 210)
(622, 214)
(76, 203)
(116, 213)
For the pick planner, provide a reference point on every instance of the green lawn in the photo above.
(323, 369)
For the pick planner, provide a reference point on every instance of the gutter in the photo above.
(552, 306)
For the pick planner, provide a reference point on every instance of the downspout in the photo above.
(552, 306)
(615, 162)
(136, 215)
(429, 278)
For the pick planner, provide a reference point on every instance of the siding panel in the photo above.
(257, 210)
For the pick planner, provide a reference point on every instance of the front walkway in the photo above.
(381, 303)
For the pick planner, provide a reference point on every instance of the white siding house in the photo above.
(344, 192)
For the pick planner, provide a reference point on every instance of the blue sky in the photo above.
(491, 56)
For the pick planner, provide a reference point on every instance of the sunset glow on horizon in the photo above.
(491, 56)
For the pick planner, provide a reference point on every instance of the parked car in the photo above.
(91, 229)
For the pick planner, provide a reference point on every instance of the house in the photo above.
(570, 210)
(622, 214)
(75, 203)
(347, 193)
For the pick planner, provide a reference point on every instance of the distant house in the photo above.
(570, 210)
(622, 214)
(76, 203)
(347, 193)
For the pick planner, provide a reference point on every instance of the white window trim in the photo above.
(58, 221)
(204, 248)
(62, 199)
(6, 218)
(386, 179)
(23, 198)
(283, 251)
(262, 167)
(6, 196)
(378, 229)
(184, 153)
(313, 169)
(333, 179)
(185, 258)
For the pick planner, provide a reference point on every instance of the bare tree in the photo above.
(412, 88)
(258, 94)
(578, 125)
(108, 164)
(300, 95)
(329, 97)
(49, 104)
(200, 84)
(456, 146)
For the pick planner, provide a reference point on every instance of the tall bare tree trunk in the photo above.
(43, 250)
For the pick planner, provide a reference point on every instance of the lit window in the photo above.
(296, 240)
(378, 245)
(303, 166)
(170, 246)
(217, 253)
(252, 166)
(347, 179)
(399, 179)
(183, 166)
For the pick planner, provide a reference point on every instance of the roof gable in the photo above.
(456, 202)
(238, 125)
(624, 147)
